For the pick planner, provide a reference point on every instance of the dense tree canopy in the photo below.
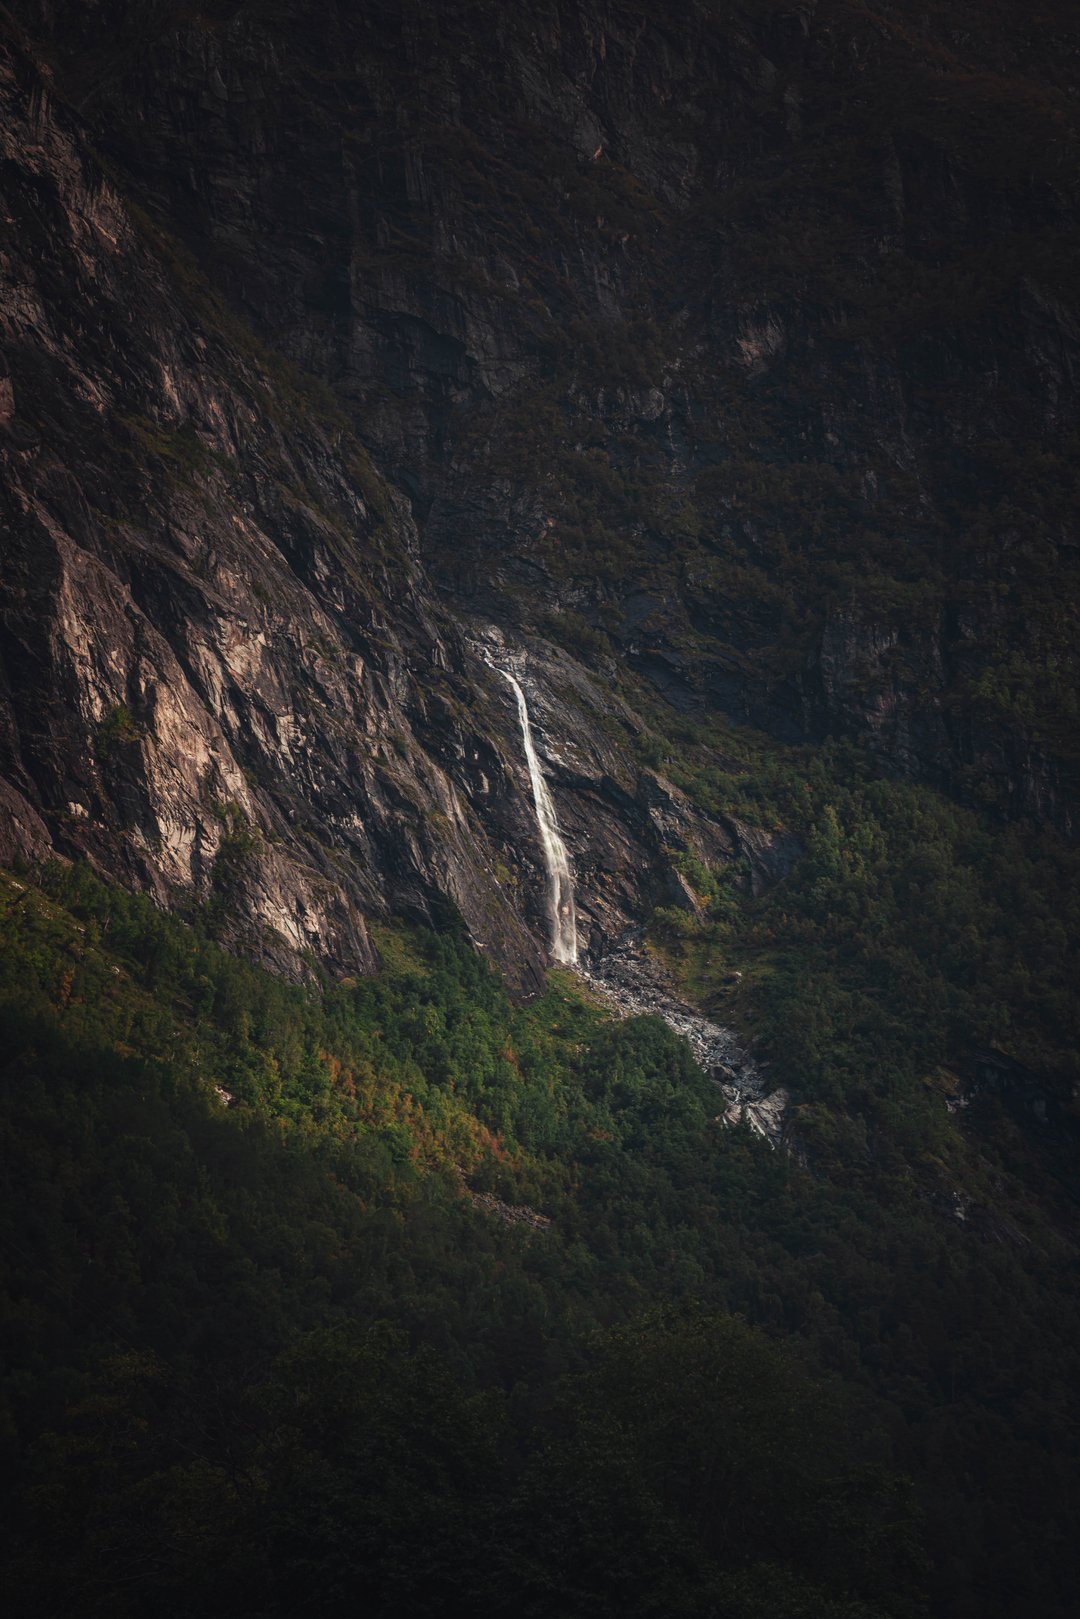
(270, 1349)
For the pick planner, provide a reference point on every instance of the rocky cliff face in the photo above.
(737, 345)
(224, 674)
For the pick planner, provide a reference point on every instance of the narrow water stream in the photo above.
(625, 980)
(562, 918)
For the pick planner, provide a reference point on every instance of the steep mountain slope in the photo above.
(702, 378)
(739, 334)
(748, 331)
(225, 672)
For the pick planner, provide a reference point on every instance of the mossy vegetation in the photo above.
(911, 932)
(117, 730)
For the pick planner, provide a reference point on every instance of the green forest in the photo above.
(391, 1293)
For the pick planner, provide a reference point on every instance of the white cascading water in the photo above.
(629, 984)
(560, 882)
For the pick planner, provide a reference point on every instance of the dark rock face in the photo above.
(659, 321)
(223, 672)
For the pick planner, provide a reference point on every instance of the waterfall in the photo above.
(560, 883)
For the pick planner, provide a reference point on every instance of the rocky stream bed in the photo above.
(627, 982)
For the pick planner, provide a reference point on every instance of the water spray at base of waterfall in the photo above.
(562, 917)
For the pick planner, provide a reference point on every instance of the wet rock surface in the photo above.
(630, 983)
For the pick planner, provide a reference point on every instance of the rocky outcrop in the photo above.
(516, 1214)
(769, 856)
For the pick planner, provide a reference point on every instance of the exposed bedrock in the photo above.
(295, 406)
